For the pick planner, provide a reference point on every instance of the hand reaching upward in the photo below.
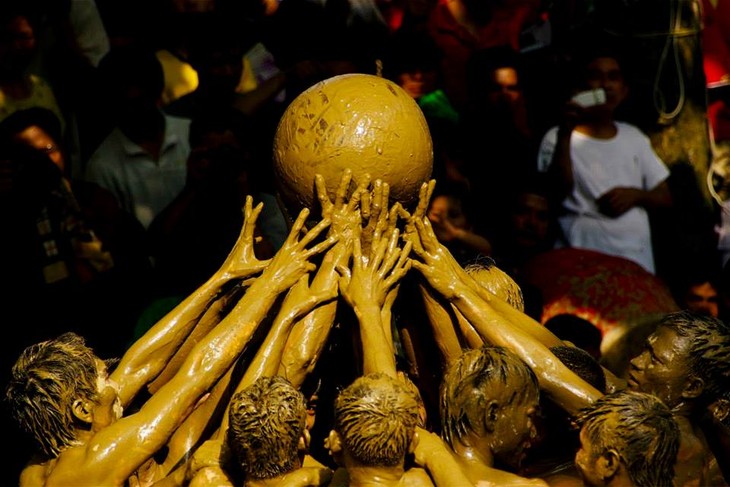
(374, 210)
(344, 212)
(241, 261)
(424, 197)
(291, 261)
(368, 283)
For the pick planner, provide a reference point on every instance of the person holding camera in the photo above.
(604, 174)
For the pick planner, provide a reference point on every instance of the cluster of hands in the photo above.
(368, 248)
(380, 243)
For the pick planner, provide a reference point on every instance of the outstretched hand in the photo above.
(344, 212)
(369, 282)
(424, 199)
(291, 261)
(241, 261)
(374, 209)
(442, 271)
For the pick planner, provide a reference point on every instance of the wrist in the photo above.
(367, 310)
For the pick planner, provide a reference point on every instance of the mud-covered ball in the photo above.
(358, 121)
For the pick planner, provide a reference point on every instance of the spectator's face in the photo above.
(447, 208)
(505, 86)
(530, 220)
(661, 368)
(703, 299)
(417, 82)
(37, 138)
(17, 45)
(445, 211)
(605, 72)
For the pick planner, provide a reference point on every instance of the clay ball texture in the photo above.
(357, 121)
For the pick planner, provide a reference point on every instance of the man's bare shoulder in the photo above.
(35, 473)
(417, 477)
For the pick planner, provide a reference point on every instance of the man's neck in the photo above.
(474, 451)
(475, 458)
(375, 476)
(263, 482)
(599, 129)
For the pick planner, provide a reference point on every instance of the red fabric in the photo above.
(716, 41)
(606, 290)
(457, 44)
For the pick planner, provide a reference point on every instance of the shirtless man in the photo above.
(686, 362)
(62, 394)
(376, 417)
(627, 438)
(489, 401)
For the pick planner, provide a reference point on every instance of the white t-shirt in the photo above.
(626, 160)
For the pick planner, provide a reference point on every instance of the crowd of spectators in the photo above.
(130, 137)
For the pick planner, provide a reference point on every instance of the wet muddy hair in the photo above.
(267, 420)
(709, 353)
(640, 428)
(45, 381)
(476, 377)
(376, 418)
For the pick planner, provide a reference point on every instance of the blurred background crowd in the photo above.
(130, 133)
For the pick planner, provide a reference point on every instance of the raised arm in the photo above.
(365, 287)
(205, 462)
(113, 453)
(442, 318)
(149, 355)
(309, 335)
(559, 382)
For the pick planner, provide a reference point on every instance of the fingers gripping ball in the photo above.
(357, 121)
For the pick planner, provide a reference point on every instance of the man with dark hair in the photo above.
(267, 429)
(62, 395)
(142, 160)
(686, 361)
(553, 457)
(628, 438)
(489, 400)
(604, 173)
(375, 422)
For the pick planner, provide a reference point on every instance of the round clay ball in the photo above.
(358, 121)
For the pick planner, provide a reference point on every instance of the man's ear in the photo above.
(334, 442)
(491, 413)
(608, 464)
(304, 441)
(83, 410)
(414, 442)
(694, 388)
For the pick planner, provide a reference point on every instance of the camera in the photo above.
(590, 98)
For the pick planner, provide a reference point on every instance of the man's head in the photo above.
(267, 430)
(698, 290)
(578, 331)
(493, 77)
(37, 127)
(485, 271)
(529, 223)
(602, 67)
(50, 383)
(375, 422)
(490, 393)
(685, 361)
(628, 433)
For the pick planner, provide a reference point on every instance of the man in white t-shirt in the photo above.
(605, 172)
